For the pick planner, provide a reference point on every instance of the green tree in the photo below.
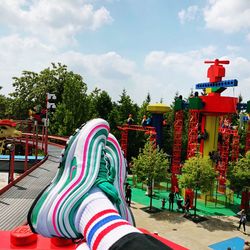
(5, 107)
(151, 165)
(114, 120)
(125, 107)
(239, 173)
(100, 104)
(197, 173)
(72, 111)
(69, 88)
(143, 109)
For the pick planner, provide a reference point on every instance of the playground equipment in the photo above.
(124, 134)
(210, 131)
(157, 110)
(153, 128)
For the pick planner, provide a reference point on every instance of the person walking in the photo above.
(128, 195)
(180, 206)
(243, 220)
(171, 201)
(163, 203)
(187, 204)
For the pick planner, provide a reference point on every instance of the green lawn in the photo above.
(210, 209)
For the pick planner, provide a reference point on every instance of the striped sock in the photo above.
(101, 224)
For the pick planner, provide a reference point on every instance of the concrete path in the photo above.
(16, 202)
(174, 227)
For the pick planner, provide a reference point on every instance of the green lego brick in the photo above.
(195, 103)
(178, 104)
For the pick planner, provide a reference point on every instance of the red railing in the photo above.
(34, 143)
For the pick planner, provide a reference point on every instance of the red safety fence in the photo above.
(34, 149)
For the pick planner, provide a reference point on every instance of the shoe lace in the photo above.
(105, 179)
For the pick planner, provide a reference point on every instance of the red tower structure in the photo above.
(176, 155)
(204, 115)
(223, 149)
(235, 146)
(193, 129)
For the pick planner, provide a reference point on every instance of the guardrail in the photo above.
(35, 145)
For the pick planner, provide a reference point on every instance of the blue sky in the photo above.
(155, 46)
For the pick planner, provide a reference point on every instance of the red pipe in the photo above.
(43, 134)
(26, 153)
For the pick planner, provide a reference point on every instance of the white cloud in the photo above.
(162, 75)
(181, 71)
(228, 16)
(52, 21)
(239, 69)
(107, 66)
(22, 54)
(109, 71)
(232, 48)
(179, 62)
(189, 14)
(248, 37)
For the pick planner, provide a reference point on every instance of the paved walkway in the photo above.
(174, 227)
(16, 202)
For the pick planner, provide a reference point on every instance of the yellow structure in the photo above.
(158, 108)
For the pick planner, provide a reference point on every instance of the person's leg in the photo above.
(99, 221)
(244, 226)
(92, 158)
(239, 225)
(183, 209)
(104, 229)
(86, 198)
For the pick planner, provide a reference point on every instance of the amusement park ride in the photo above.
(154, 129)
(209, 130)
